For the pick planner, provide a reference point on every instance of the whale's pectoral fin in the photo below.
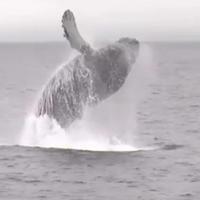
(71, 32)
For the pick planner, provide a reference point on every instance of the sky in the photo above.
(105, 20)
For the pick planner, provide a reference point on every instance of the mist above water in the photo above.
(109, 126)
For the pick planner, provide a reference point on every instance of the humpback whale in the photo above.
(88, 79)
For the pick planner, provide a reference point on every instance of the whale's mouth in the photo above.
(133, 44)
(131, 48)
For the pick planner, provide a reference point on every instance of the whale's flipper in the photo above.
(72, 33)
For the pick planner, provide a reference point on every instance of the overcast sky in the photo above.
(40, 20)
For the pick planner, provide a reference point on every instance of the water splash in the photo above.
(109, 126)
(45, 132)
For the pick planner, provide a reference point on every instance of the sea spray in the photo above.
(109, 126)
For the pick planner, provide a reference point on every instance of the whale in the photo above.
(91, 77)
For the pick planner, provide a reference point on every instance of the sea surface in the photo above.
(164, 163)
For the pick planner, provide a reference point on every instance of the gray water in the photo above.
(168, 117)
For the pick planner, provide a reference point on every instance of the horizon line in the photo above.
(62, 41)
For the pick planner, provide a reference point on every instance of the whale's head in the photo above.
(131, 47)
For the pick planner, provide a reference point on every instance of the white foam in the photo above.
(46, 132)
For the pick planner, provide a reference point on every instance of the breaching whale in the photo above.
(88, 79)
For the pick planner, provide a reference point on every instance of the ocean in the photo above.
(141, 143)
